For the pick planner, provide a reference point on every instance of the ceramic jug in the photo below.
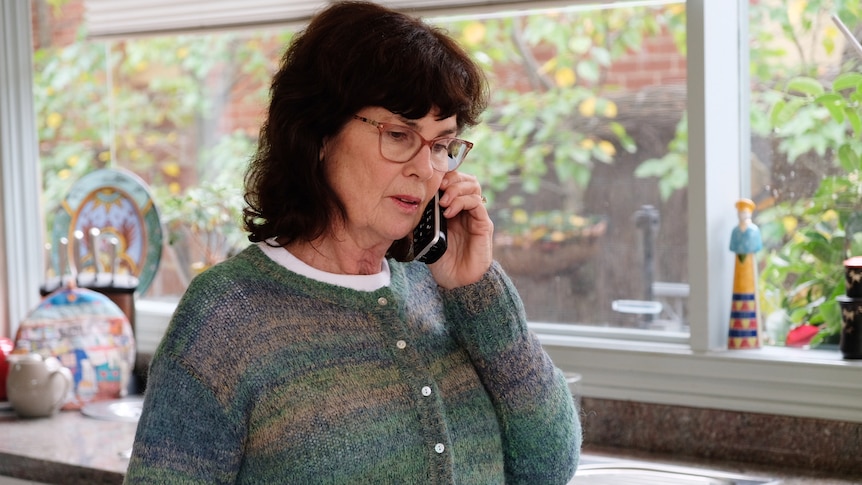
(37, 386)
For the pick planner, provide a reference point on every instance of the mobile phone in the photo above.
(429, 237)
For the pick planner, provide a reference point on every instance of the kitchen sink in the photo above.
(612, 471)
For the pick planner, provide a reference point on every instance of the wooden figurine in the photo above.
(745, 241)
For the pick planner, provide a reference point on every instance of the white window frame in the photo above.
(676, 369)
(20, 231)
(113, 19)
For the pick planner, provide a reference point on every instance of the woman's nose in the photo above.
(421, 164)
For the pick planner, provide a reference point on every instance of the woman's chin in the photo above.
(401, 233)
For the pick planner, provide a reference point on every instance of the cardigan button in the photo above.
(439, 448)
(426, 391)
(401, 344)
(382, 301)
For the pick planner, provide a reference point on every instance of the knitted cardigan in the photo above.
(268, 377)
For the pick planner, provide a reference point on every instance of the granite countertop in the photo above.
(68, 448)
(72, 448)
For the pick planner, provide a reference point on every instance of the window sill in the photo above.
(661, 368)
(151, 321)
(772, 380)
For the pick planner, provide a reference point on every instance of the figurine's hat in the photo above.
(745, 204)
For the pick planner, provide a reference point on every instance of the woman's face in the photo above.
(383, 199)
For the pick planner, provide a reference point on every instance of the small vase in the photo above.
(853, 276)
(851, 327)
(850, 343)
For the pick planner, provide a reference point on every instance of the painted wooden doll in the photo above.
(745, 241)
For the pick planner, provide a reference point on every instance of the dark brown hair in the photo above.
(351, 55)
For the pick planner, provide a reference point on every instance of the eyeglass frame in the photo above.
(424, 142)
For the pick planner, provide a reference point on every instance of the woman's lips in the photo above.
(406, 202)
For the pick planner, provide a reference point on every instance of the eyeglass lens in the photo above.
(400, 144)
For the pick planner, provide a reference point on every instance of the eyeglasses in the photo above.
(400, 144)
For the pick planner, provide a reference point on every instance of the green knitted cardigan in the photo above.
(268, 377)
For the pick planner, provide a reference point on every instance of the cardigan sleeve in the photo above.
(184, 435)
(192, 426)
(540, 425)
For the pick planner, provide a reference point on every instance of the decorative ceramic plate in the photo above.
(90, 335)
(118, 203)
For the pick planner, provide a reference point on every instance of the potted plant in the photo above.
(207, 218)
(803, 276)
(545, 242)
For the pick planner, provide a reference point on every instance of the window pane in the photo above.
(185, 116)
(180, 112)
(584, 152)
(805, 163)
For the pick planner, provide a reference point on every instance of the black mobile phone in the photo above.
(429, 237)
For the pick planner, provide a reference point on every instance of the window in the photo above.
(586, 101)
(181, 112)
(583, 96)
(805, 140)
(688, 369)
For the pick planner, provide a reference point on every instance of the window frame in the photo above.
(696, 371)
(21, 265)
(112, 19)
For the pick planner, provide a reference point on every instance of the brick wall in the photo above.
(56, 26)
(659, 63)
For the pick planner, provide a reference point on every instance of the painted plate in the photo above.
(118, 203)
(90, 335)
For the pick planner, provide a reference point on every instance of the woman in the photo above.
(320, 355)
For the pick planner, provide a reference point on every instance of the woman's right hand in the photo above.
(470, 233)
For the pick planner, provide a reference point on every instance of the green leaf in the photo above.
(588, 70)
(580, 44)
(847, 80)
(775, 116)
(834, 103)
(849, 159)
(854, 119)
(625, 140)
(805, 85)
(654, 167)
(601, 56)
(799, 316)
(783, 111)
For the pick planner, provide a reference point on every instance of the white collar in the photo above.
(356, 282)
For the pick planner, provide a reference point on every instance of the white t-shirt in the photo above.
(356, 282)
